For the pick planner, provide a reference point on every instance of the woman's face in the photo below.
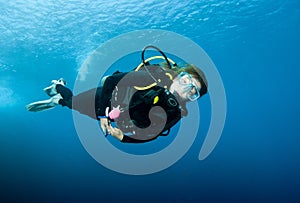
(186, 87)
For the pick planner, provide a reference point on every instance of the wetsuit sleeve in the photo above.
(103, 100)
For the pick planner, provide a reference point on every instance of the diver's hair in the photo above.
(196, 73)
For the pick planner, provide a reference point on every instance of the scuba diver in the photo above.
(136, 106)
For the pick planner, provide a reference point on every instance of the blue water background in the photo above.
(255, 46)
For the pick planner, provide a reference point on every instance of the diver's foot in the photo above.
(51, 90)
(45, 104)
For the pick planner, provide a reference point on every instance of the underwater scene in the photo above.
(238, 143)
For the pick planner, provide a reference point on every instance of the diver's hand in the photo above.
(104, 125)
(116, 132)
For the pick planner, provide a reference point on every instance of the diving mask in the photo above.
(188, 85)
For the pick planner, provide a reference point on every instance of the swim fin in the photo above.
(51, 90)
(44, 104)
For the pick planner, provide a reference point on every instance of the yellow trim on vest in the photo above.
(169, 75)
(153, 84)
(146, 87)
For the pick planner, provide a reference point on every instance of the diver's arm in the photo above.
(106, 93)
(104, 124)
(117, 133)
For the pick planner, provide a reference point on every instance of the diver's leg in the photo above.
(83, 102)
(66, 94)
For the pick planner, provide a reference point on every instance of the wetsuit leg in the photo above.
(83, 102)
(66, 94)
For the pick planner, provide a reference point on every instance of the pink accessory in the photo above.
(114, 113)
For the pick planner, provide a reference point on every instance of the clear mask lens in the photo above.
(188, 86)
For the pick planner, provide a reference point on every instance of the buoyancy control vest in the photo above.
(150, 110)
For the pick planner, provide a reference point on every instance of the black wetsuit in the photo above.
(136, 93)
